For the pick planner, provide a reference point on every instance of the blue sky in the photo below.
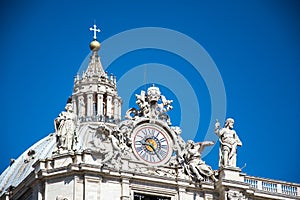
(255, 46)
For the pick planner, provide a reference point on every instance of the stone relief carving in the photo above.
(164, 172)
(65, 130)
(229, 141)
(123, 133)
(110, 144)
(234, 195)
(152, 105)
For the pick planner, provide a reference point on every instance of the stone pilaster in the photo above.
(125, 193)
(92, 187)
(78, 188)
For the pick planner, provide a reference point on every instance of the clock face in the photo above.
(152, 144)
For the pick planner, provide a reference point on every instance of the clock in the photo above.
(152, 144)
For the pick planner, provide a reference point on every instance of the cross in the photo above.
(95, 31)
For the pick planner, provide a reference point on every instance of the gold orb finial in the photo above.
(95, 45)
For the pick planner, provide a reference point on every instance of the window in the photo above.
(139, 196)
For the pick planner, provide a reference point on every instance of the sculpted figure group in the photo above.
(114, 143)
(109, 144)
(190, 159)
(152, 105)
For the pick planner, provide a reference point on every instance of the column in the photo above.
(74, 105)
(100, 104)
(120, 111)
(89, 105)
(81, 107)
(116, 109)
(109, 106)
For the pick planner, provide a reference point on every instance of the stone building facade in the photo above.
(94, 155)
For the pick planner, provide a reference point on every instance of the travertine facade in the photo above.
(93, 155)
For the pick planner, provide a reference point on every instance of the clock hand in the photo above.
(154, 149)
(143, 143)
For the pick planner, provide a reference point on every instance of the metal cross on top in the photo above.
(95, 31)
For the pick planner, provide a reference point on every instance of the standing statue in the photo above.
(229, 141)
(65, 127)
(81, 107)
(193, 163)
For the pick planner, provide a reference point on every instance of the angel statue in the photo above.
(192, 162)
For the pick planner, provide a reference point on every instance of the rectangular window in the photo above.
(140, 196)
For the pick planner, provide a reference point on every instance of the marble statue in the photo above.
(65, 129)
(229, 141)
(123, 133)
(114, 153)
(179, 142)
(109, 145)
(151, 105)
(192, 162)
(81, 107)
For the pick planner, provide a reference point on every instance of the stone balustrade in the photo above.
(99, 119)
(273, 186)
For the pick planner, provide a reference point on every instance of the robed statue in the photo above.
(65, 129)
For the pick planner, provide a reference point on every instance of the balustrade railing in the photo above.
(271, 186)
(98, 119)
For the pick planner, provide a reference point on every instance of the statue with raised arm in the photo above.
(194, 165)
(229, 141)
(65, 126)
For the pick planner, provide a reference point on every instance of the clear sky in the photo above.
(254, 45)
